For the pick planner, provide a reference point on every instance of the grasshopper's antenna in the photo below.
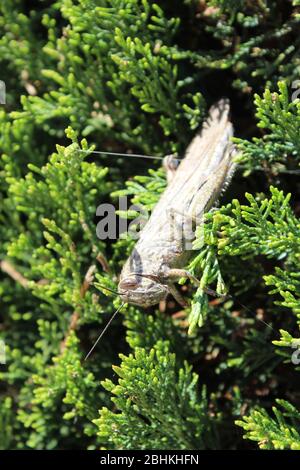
(230, 296)
(103, 331)
(250, 311)
(120, 154)
(109, 290)
(276, 173)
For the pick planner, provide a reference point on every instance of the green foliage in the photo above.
(136, 77)
(114, 81)
(288, 342)
(286, 284)
(256, 40)
(64, 386)
(6, 423)
(265, 227)
(280, 433)
(158, 406)
(277, 150)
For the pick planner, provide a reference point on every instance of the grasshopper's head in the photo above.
(142, 290)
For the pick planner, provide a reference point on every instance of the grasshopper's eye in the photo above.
(128, 284)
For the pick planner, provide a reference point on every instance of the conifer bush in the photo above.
(135, 76)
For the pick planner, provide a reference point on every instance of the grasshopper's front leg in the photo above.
(174, 274)
(177, 295)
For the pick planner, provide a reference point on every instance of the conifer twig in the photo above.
(9, 269)
(88, 279)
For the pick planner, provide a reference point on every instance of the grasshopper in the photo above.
(164, 247)
(158, 258)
